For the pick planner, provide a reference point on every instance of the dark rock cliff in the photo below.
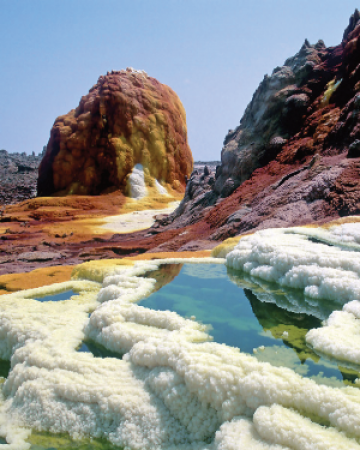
(294, 158)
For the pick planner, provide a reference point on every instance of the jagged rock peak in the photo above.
(283, 101)
(353, 21)
(319, 45)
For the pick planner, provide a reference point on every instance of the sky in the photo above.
(212, 53)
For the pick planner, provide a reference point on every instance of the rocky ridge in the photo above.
(294, 158)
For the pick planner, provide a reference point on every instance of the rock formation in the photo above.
(294, 158)
(274, 114)
(127, 119)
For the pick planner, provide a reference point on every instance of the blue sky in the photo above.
(213, 53)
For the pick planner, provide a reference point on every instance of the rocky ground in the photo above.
(44, 232)
(293, 160)
(18, 175)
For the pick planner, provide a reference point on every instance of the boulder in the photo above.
(354, 149)
(127, 120)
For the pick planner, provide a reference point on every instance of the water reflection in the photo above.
(164, 274)
(4, 368)
(97, 350)
(292, 300)
(251, 314)
(65, 295)
(286, 325)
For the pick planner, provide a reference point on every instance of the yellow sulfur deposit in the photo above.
(221, 250)
(330, 89)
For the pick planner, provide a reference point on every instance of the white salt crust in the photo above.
(340, 335)
(347, 235)
(172, 390)
(272, 424)
(288, 257)
(136, 220)
(161, 189)
(136, 182)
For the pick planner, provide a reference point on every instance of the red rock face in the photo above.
(294, 159)
(127, 118)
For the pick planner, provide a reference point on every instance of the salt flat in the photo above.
(136, 220)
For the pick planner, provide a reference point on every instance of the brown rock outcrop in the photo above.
(127, 118)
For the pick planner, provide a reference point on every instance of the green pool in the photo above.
(261, 319)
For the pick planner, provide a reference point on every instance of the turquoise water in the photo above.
(57, 297)
(222, 299)
(241, 312)
(209, 295)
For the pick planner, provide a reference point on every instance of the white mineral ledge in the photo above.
(136, 220)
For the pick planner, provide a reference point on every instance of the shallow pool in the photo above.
(243, 313)
(260, 318)
(49, 441)
(57, 297)
(4, 368)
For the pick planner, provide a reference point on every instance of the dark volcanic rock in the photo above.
(294, 159)
(39, 256)
(199, 195)
(18, 176)
(354, 149)
(275, 113)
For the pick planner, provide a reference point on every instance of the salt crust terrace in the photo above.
(173, 388)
